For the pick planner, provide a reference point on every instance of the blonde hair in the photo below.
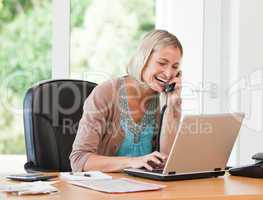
(152, 41)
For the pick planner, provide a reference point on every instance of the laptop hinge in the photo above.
(217, 169)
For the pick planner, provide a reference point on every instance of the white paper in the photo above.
(122, 185)
(38, 187)
(80, 176)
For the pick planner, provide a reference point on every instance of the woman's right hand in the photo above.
(144, 161)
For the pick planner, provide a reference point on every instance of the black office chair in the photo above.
(52, 111)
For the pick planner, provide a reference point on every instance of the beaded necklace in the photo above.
(149, 117)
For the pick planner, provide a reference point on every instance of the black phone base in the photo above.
(253, 171)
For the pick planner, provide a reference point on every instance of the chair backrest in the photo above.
(52, 111)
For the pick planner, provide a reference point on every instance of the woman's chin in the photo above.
(158, 89)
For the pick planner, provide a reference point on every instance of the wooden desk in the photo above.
(227, 187)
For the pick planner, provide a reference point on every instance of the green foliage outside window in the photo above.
(106, 38)
(25, 58)
(104, 35)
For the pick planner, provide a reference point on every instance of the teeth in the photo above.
(161, 80)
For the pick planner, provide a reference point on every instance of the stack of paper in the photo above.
(38, 187)
(83, 176)
(122, 185)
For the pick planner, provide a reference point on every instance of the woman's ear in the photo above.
(179, 74)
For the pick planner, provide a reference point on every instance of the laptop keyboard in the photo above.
(159, 171)
(157, 168)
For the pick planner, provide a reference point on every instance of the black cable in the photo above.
(168, 88)
(160, 127)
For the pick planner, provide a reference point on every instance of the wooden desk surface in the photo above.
(227, 187)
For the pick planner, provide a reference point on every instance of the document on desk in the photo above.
(122, 185)
(83, 176)
(38, 187)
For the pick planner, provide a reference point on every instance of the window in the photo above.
(105, 34)
(102, 42)
(25, 58)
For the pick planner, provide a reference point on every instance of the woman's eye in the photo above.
(175, 67)
(161, 63)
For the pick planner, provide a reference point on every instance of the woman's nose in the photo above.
(169, 73)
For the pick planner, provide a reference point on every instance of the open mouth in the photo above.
(162, 81)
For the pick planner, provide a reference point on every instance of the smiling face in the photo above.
(162, 68)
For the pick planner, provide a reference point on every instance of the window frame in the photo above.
(60, 39)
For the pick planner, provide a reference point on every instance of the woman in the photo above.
(120, 120)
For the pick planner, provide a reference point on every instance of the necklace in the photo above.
(147, 119)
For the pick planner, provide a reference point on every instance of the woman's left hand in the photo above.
(174, 99)
(172, 116)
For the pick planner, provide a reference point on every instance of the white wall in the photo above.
(250, 72)
(223, 42)
(242, 72)
(186, 22)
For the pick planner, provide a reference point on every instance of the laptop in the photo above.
(201, 148)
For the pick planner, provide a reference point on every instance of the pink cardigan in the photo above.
(99, 129)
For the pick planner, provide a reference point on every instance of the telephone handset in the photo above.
(254, 170)
(168, 88)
